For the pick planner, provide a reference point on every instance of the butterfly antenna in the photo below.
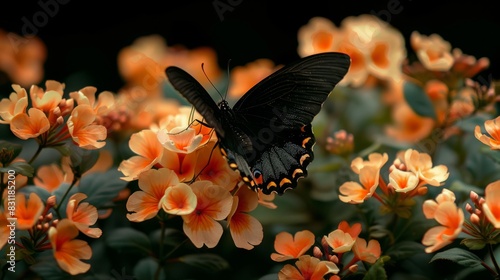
(203, 68)
(227, 86)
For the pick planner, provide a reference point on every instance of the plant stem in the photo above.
(493, 259)
(160, 257)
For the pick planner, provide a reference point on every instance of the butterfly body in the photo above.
(267, 134)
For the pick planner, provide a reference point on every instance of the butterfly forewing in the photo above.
(196, 94)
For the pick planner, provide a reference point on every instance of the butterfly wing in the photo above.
(196, 94)
(276, 115)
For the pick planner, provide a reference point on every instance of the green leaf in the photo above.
(63, 149)
(172, 237)
(146, 268)
(102, 187)
(129, 240)
(377, 271)
(207, 262)
(22, 168)
(473, 243)
(459, 256)
(418, 100)
(47, 268)
(82, 160)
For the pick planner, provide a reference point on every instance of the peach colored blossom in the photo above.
(307, 268)
(145, 204)
(421, 165)
(149, 152)
(369, 253)
(450, 218)
(354, 192)
(69, 251)
(179, 200)
(48, 99)
(353, 230)
(31, 125)
(432, 51)
(403, 181)
(182, 164)
(84, 132)
(49, 177)
(491, 206)
(214, 204)
(340, 241)
(83, 215)
(246, 230)
(28, 210)
(317, 36)
(14, 105)
(374, 159)
(212, 166)
(407, 125)
(493, 129)
(105, 100)
(292, 247)
(430, 206)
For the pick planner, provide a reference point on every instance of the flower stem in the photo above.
(160, 257)
(493, 259)
(75, 179)
(38, 150)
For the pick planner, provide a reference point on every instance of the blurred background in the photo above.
(84, 37)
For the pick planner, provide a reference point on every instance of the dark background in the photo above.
(84, 37)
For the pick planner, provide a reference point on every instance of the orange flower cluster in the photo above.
(326, 260)
(409, 176)
(52, 119)
(181, 172)
(48, 233)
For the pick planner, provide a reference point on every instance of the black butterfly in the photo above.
(267, 135)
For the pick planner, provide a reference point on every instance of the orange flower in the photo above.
(214, 204)
(354, 192)
(85, 133)
(430, 206)
(149, 151)
(491, 206)
(432, 51)
(493, 129)
(245, 229)
(374, 159)
(368, 253)
(83, 215)
(244, 77)
(408, 126)
(450, 218)
(307, 268)
(289, 247)
(354, 231)
(47, 99)
(69, 251)
(340, 241)
(421, 165)
(403, 181)
(178, 134)
(146, 202)
(317, 36)
(86, 95)
(30, 125)
(14, 105)
(27, 210)
(216, 170)
(182, 164)
(179, 200)
(49, 177)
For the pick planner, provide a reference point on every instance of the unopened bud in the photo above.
(317, 252)
(353, 268)
(474, 218)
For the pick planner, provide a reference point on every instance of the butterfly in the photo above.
(267, 135)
